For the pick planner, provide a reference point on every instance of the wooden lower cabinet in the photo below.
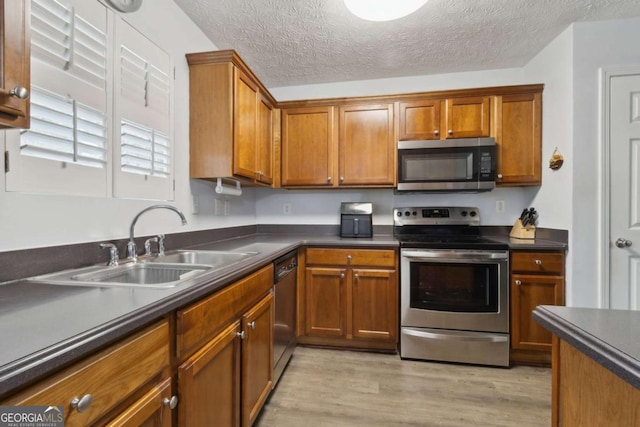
(537, 278)
(226, 381)
(349, 298)
(122, 385)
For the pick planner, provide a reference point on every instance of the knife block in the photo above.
(520, 231)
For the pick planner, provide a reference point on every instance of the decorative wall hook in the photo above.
(556, 160)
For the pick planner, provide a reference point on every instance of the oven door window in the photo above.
(466, 288)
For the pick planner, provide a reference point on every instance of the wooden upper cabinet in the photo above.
(308, 150)
(366, 149)
(230, 119)
(419, 120)
(466, 117)
(15, 63)
(519, 139)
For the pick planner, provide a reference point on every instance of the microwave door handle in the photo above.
(355, 226)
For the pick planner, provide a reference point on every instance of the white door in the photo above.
(624, 216)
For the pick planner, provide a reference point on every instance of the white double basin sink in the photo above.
(165, 271)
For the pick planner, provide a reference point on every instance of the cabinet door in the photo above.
(375, 304)
(467, 117)
(209, 383)
(264, 142)
(245, 126)
(527, 292)
(519, 139)
(152, 410)
(257, 358)
(419, 120)
(367, 145)
(308, 147)
(325, 302)
(15, 62)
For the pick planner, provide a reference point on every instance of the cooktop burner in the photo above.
(441, 228)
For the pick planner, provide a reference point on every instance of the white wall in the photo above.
(596, 45)
(30, 220)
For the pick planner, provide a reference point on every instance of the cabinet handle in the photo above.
(342, 179)
(450, 131)
(19, 92)
(538, 262)
(171, 403)
(356, 276)
(342, 275)
(252, 325)
(518, 282)
(436, 132)
(83, 403)
(328, 179)
(499, 176)
(241, 334)
(349, 258)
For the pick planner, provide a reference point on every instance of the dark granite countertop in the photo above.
(43, 327)
(610, 337)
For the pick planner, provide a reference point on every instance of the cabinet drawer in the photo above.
(110, 377)
(199, 322)
(363, 257)
(538, 262)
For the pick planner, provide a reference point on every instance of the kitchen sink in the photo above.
(158, 272)
(212, 258)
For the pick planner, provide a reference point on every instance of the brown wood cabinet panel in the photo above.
(209, 383)
(419, 120)
(467, 117)
(200, 321)
(590, 395)
(265, 141)
(356, 257)
(245, 126)
(149, 411)
(375, 304)
(15, 62)
(519, 139)
(326, 302)
(367, 149)
(110, 376)
(538, 262)
(257, 358)
(527, 292)
(308, 146)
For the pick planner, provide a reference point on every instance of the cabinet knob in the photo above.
(252, 325)
(19, 92)
(328, 179)
(342, 179)
(538, 262)
(349, 258)
(356, 276)
(83, 403)
(241, 334)
(518, 282)
(499, 176)
(342, 275)
(171, 403)
(436, 132)
(450, 131)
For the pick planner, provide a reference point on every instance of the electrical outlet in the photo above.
(286, 208)
(218, 208)
(500, 206)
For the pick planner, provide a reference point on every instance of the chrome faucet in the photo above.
(131, 246)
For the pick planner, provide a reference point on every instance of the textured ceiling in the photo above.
(296, 42)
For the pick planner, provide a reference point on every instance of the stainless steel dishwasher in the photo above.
(284, 333)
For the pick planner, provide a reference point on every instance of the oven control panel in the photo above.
(436, 215)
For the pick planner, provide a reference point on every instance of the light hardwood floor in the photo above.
(322, 387)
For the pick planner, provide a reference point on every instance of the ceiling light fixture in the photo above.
(383, 10)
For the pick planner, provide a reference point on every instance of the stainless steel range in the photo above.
(454, 287)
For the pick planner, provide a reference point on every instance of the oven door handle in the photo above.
(454, 256)
(445, 337)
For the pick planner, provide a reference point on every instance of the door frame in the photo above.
(604, 246)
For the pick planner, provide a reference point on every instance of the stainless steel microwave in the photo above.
(467, 164)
